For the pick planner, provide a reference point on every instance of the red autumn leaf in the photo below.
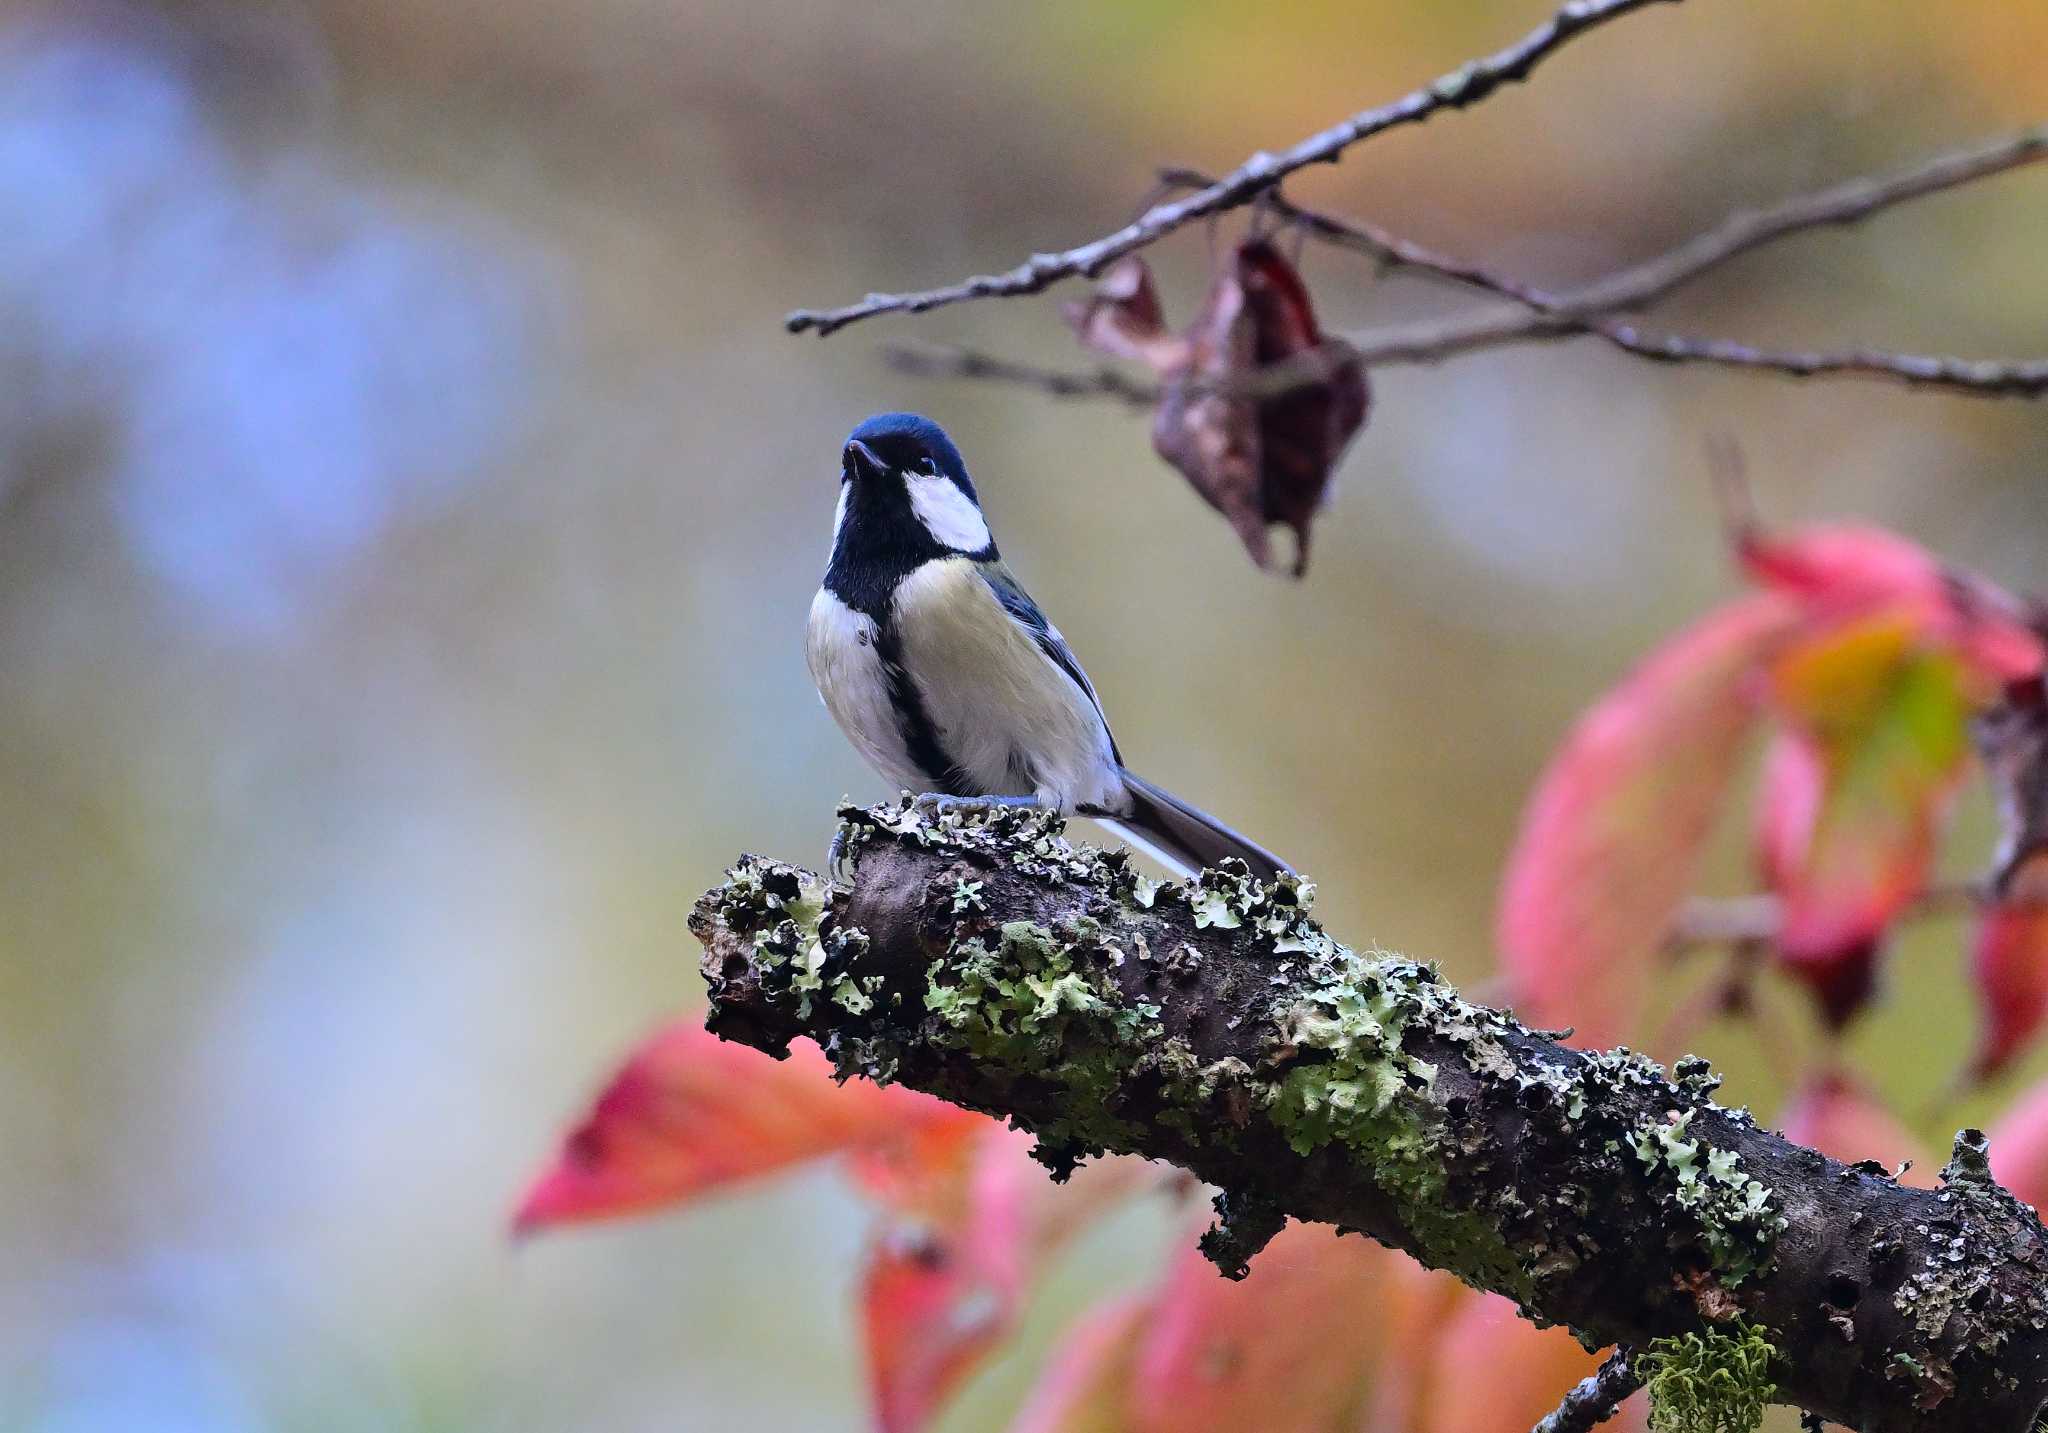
(1258, 460)
(1489, 1368)
(1848, 571)
(2019, 1146)
(1896, 654)
(1416, 1305)
(1611, 836)
(689, 1112)
(1856, 791)
(2009, 967)
(1304, 431)
(1221, 1355)
(1835, 1114)
(1123, 318)
(1209, 429)
(2009, 953)
(948, 1271)
(1084, 1387)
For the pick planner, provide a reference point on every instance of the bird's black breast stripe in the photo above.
(920, 734)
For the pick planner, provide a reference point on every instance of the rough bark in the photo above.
(978, 956)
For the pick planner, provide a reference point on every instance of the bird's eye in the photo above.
(928, 465)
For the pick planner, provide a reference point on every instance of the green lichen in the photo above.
(1735, 1211)
(1054, 1020)
(1349, 1081)
(1017, 1000)
(1719, 1381)
(856, 996)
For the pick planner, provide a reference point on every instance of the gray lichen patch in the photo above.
(1949, 1295)
(1735, 1211)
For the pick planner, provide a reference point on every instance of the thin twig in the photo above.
(1545, 314)
(1594, 1399)
(937, 360)
(1969, 378)
(1976, 377)
(1754, 919)
(1463, 87)
(1541, 314)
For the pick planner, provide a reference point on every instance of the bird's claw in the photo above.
(838, 861)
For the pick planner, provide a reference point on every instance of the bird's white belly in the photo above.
(1012, 722)
(840, 650)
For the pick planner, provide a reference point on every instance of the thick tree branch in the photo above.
(1214, 1025)
(1593, 1400)
(1465, 86)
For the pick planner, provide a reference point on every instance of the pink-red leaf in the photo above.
(1490, 1368)
(688, 1113)
(1611, 837)
(2009, 967)
(2019, 1146)
(947, 1273)
(1221, 1356)
(1844, 572)
(1856, 791)
(1085, 1384)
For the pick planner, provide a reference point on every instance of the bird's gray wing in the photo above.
(1017, 602)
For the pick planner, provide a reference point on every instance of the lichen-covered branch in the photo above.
(1467, 85)
(1214, 1024)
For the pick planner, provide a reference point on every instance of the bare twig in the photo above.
(1465, 86)
(1540, 314)
(1970, 378)
(937, 360)
(1974, 377)
(1754, 919)
(1593, 1400)
(1543, 314)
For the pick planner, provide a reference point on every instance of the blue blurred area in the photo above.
(409, 504)
(289, 348)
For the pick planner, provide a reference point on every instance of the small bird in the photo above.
(945, 675)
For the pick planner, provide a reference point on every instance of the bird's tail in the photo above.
(1178, 835)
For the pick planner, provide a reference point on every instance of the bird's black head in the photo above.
(904, 500)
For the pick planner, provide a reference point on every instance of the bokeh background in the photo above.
(409, 503)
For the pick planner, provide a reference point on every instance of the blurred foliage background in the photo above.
(409, 504)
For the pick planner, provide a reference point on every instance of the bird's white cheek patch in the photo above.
(947, 513)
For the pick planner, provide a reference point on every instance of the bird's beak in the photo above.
(861, 462)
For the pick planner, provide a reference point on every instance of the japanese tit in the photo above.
(945, 675)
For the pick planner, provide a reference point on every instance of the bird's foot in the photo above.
(838, 860)
(939, 803)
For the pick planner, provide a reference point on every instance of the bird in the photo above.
(947, 677)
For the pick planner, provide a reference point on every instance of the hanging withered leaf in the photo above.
(1258, 457)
